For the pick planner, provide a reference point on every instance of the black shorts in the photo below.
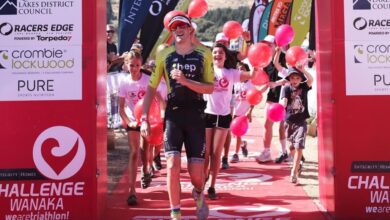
(273, 94)
(296, 134)
(138, 128)
(185, 126)
(218, 121)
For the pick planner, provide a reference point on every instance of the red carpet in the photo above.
(247, 190)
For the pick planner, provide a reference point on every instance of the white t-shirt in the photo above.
(133, 91)
(218, 103)
(241, 104)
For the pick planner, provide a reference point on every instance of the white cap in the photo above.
(221, 37)
(269, 39)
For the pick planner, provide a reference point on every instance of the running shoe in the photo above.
(132, 200)
(265, 156)
(244, 149)
(146, 179)
(225, 163)
(157, 162)
(211, 193)
(282, 157)
(202, 210)
(234, 159)
(175, 215)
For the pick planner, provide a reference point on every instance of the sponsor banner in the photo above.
(279, 14)
(51, 186)
(366, 20)
(40, 73)
(155, 17)
(40, 22)
(133, 14)
(256, 12)
(300, 20)
(263, 30)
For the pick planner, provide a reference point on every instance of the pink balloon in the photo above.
(296, 56)
(260, 55)
(254, 96)
(232, 29)
(261, 78)
(284, 35)
(197, 8)
(239, 126)
(276, 112)
(154, 111)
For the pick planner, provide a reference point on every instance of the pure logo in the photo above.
(8, 7)
(59, 152)
(361, 5)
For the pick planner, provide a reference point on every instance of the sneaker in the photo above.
(202, 210)
(157, 162)
(146, 179)
(303, 159)
(234, 159)
(244, 149)
(175, 215)
(282, 157)
(132, 200)
(293, 179)
(265, 156)
(211, 193)
(225, 164)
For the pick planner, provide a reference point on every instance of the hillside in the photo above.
(214, 4)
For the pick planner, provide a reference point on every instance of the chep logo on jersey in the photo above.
(8, 7)
(361, 5)
(59, 152)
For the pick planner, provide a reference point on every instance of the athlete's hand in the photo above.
(145, 129)
(179, 76)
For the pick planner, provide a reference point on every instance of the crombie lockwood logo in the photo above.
(361, 5)
(59, 152)
(4, 59)
(358, 54)
(8, 7)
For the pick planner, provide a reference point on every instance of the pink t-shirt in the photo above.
(218, 103)
(133, 91)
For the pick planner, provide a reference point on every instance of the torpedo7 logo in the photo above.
(59, 152)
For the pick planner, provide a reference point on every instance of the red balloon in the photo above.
(276, 112)
(156, 134)
(284, 35)
(232, 29)
(261, 78)
(170, 15)
(154, 111)
(254, 96)
(296, 56)
(239, 126)
(197, 8)
(260, 55)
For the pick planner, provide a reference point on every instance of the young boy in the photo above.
(294, 99)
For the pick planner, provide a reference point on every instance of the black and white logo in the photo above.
(8, 7)
(6, 28)
(358, 53)
(361, 5)
(360, 23)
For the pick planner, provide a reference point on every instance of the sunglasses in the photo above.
(110, 31)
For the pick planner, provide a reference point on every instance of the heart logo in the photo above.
(57, 163)
(59, 152)
(223, 82)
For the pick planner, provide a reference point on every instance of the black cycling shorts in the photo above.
(138, 128)
(185, 126)
(218, 121)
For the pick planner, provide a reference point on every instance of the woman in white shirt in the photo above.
(218, 112)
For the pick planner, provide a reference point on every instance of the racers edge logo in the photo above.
(6, 29)
(360, 23)
(59, 152)
(8, 7)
